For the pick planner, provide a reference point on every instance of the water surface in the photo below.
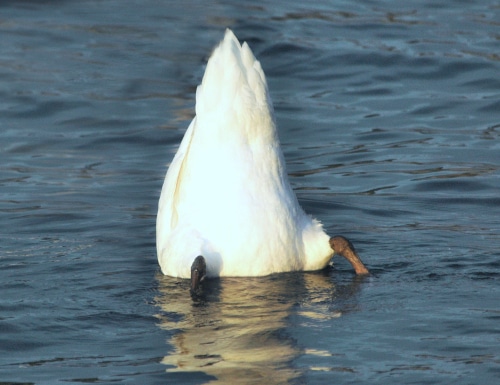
(389, 118)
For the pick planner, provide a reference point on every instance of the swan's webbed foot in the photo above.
(344, 247)
(198, 273)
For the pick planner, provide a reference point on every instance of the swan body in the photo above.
(226, 195)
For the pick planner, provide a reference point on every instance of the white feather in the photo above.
(226, 195)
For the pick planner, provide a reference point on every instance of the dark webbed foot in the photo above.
(344, 247)
(198, 273)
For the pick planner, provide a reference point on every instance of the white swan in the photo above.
(226, 195)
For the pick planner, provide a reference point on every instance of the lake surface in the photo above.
(389, 118)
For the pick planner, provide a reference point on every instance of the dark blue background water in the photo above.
(389, 117)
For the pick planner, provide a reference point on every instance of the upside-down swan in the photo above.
(226, 207)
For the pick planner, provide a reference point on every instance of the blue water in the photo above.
(389, 118)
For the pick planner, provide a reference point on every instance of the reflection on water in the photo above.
(238, 331)
(388, 114)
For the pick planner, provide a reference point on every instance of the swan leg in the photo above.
(345, 248)
(198, 273)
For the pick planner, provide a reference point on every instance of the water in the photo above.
(389, 117)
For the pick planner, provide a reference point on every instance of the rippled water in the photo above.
(389, 117)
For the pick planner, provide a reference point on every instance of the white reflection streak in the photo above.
(238, 334)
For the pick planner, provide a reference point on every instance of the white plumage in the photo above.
(226, 195)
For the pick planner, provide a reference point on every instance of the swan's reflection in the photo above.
(237, 332)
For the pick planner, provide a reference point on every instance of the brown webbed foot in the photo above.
(198, 273)
(344, 247)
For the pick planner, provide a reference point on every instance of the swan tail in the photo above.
(234, 85)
